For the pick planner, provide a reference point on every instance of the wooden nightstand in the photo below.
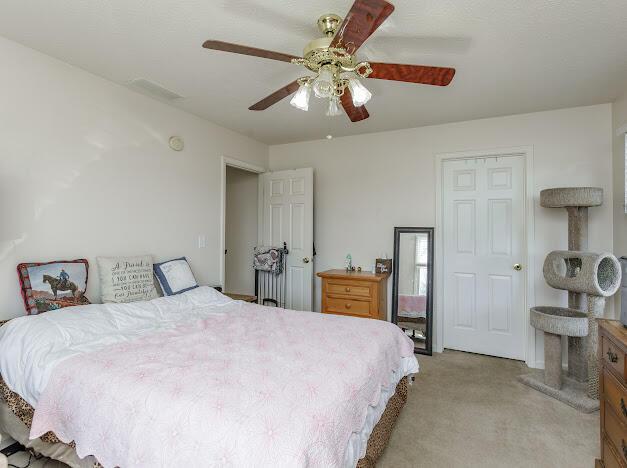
(355, 293)
(613, 393)
(241, 297)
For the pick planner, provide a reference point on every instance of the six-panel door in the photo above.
(484, 247)
(287, 216)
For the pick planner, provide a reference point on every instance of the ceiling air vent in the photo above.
(154, 89)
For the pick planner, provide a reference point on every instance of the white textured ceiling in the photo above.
(512, 56)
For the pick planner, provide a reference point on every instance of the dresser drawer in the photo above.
(613, 357)
(616, 432)
(346, 288)
(610, 460)
(337, 305)
(616, 395)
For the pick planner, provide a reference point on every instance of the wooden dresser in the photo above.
(613, 393)
(359, 294)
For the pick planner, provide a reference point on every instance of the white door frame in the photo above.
(527, 153)
(238, 164)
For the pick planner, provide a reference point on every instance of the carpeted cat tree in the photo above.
(589, 279)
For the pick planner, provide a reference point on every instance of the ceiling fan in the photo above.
(337, 71)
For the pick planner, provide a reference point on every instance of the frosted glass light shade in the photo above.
(301, 98)
(359, 92)
(323, 84)
(334, 108)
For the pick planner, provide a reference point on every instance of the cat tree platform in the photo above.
(556, 322)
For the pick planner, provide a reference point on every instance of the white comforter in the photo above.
(31, 347)
(35, 350)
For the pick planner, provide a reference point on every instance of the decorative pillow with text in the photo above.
(126, 279)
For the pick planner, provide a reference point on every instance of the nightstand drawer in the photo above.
(616, 395)
(610, 460)
(616, 432)
(614, 357)
(348, 289)
(347, 306)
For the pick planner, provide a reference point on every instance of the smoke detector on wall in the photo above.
(177, 143)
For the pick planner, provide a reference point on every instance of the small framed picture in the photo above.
(383, 266)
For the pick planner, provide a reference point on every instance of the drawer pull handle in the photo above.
(622, 407)
(613, 357)
(624, 447)
(348, 289)
(348, 306)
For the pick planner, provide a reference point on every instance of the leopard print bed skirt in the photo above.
(376, 443)
(24, 411)
(381, 433)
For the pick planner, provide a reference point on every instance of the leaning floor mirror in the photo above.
(412, 288)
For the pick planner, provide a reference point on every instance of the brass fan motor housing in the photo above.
(319, 53)
(328, 24)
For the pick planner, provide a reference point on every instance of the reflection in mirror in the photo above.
(413, 285)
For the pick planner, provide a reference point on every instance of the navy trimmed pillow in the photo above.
(175, 276)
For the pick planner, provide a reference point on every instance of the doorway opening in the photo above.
(240, 215)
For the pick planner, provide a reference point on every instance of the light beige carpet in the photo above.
(466, 410)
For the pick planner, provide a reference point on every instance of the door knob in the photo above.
(517, 266)
(306, 260)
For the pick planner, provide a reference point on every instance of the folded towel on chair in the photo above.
(268, 259)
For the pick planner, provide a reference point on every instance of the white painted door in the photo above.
(287, 216)
(483, 223)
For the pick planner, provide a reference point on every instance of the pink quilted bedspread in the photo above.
(252, 387)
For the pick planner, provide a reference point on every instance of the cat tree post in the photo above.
(576, 200)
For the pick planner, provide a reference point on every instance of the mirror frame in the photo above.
(397, 235)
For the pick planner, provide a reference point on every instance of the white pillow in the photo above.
(175, 276)
(126, 279)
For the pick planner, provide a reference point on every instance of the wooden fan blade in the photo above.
(275, 97)
(354, 113)
(364, 17)
(438, 76)
(245, 50)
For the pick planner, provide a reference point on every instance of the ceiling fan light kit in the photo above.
(334, 108)
(360, 93)
(337, 72)
(301, 98)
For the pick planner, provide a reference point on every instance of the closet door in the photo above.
(484, 248)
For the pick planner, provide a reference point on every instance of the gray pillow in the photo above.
(126, 279)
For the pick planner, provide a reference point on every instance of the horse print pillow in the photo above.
(53, 285)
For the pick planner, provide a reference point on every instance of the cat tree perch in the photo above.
(583, 275)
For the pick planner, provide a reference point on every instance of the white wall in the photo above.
(619, 117)
(619, 122)
(85, 170)
(366, 185)
(242, 195)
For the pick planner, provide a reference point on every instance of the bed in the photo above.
(200, 377)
